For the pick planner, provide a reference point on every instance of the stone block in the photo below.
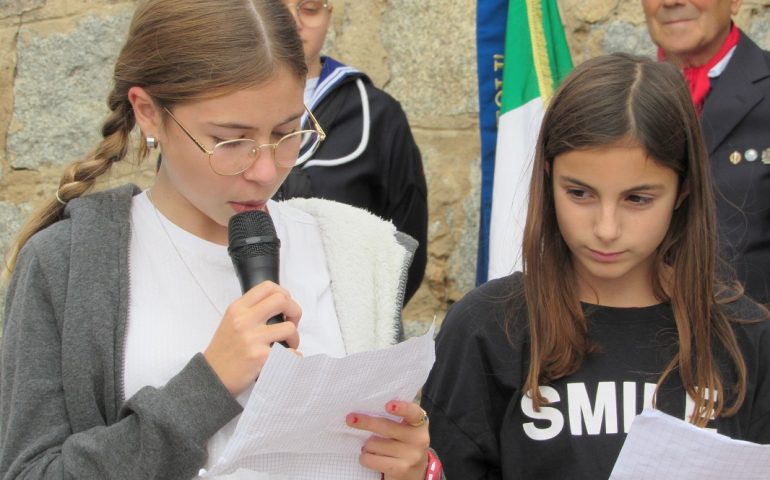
(628, 38)
(416, 327)
(354, 38)
(452, 172)
(7, 70)
(462, 262)
(75, 7)
(45, 10)
(432, 56)
(629, 11)
(759, 30)
(11, 218)
(590, 12)
(11, 8)
(62, 82)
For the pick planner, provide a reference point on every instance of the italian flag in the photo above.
(536, 59)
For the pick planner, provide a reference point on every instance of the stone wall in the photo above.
(57, 60)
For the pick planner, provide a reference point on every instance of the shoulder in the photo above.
(492, 294)
(384, 104)
(750, 321)
(483, 338)
(487, 310)
(46, 256)
(751, 59)
(41, 272)
(380, 102)
(751, 324)
(96, 207)
(104, 206)
(90, 213)
(743, 308)
(346, 78)
(745, 43)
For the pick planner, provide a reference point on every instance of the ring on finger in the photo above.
(423, 419)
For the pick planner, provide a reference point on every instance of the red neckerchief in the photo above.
(698, 77)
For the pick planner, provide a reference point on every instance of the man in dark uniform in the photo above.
(729, 78)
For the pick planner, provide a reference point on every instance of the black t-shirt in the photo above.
(484, 428)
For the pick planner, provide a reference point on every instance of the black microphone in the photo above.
(254, 248)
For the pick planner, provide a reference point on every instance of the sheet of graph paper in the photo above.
(661, 446)
(293, 425)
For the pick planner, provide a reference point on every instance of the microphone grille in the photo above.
(251, 234)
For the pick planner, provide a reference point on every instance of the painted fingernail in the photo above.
(392, 407)
(353, 419)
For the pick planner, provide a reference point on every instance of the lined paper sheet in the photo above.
(293, 425)
(661, 446)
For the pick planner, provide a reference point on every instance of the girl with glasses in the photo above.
(128, 348)
(539, 375)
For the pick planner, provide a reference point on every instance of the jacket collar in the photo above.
(735, 93)
(333, 73)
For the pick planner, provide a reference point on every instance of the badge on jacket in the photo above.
(766, 156)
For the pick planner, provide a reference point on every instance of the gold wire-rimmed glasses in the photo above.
(232, 157)
(310, 12)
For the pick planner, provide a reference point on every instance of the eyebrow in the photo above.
(241, 126)
(645, 187)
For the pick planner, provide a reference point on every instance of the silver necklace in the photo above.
(181, 258)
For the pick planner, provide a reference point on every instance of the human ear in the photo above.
(146, 112)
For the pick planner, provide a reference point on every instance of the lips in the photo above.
(247, 206)
(677, 16)
(605, 257)
(669, 21)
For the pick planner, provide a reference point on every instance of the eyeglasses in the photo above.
(310, 12)
(231, 157)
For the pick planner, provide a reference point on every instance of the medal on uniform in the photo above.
(766, 156)
(750, 155)
(735, 157)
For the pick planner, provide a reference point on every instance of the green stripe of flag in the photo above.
(530, 20)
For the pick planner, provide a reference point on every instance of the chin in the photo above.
(608, 272)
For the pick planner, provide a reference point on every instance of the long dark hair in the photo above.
(605, 100)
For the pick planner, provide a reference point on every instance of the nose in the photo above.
(607, 224)
(264, 170)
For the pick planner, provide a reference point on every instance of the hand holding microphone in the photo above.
(254, 248)
(265, 313)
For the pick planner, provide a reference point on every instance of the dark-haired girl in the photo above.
(540, 374)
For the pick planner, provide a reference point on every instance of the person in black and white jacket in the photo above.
(369, 158)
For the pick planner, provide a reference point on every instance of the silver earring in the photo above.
(151, 142)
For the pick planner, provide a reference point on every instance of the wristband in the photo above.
(435, 471)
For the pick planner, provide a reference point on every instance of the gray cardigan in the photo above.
(62, 407)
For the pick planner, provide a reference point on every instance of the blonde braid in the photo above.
(80, 176)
